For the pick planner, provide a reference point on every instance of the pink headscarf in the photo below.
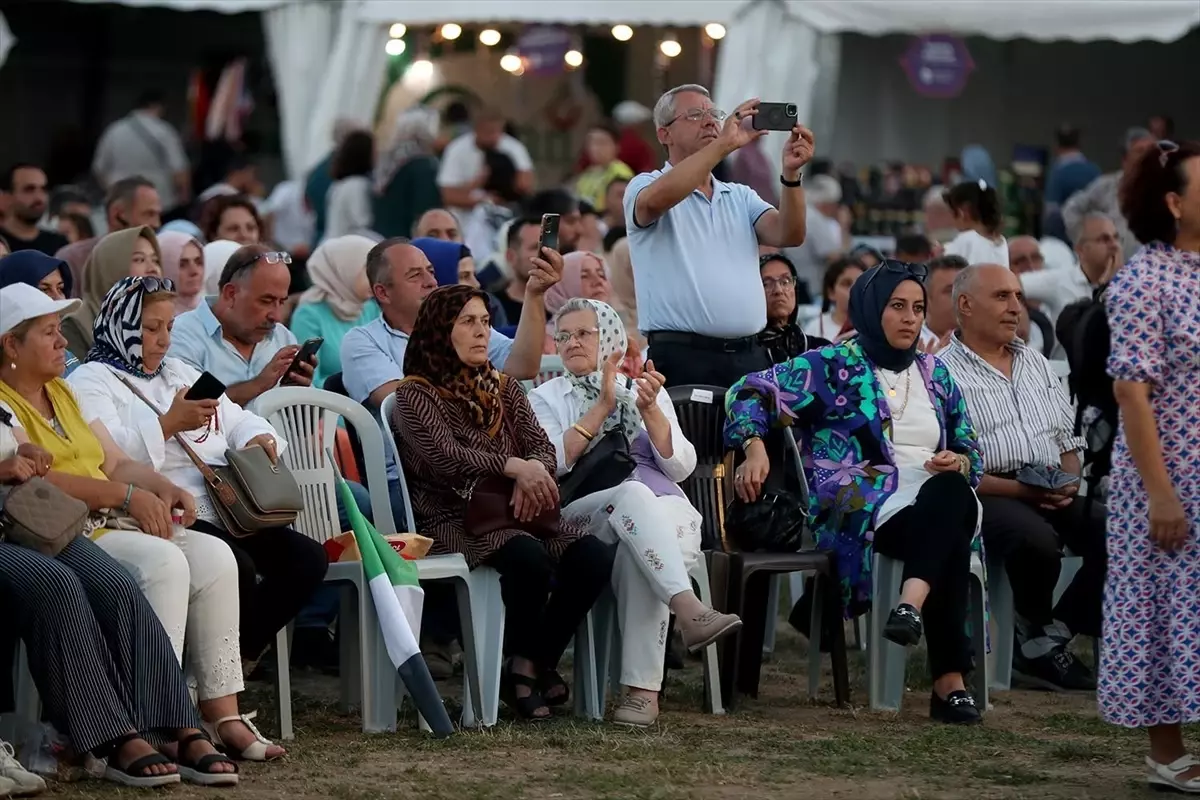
(171, 243)
(570, 286)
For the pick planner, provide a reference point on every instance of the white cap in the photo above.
(631, 112)
(20, 302)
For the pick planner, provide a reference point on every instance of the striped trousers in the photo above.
(101, 660)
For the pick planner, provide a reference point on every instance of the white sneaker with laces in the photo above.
(23, 781)
(1169, 774)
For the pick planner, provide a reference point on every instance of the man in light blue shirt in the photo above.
(238, 335)
(401, 278)
(694, 241)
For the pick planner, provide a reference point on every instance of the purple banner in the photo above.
(937, 65)
(543, 48)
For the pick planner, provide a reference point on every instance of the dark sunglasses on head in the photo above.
(152, 283)
(917, 271)
(273, 257)
(1165, 148)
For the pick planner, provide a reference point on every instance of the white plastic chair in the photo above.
(480, 609)
(886, 660)
(308, 420)
(551, 368)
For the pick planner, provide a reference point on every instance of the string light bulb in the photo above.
(489, 37)
(394, 47)
(510, 62)
(451, 31)
(670, 46)
(715, 31)
(397, 30)
(574, 58)
(622, 33)
(421, 69)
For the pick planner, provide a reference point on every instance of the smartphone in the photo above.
(206, 387)
(775, 117)
(307, 351)
(549, 234)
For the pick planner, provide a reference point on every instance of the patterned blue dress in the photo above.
(1150, 662)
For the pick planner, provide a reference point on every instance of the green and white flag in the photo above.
(398, 601)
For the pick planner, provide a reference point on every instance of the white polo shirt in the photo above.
(695, 268)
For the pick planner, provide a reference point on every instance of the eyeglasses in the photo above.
(918, 271)
(584, 335)
(273, 257)
(698, 114)
(786, 282)
(1165, 148)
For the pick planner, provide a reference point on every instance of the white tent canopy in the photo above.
(328, 57)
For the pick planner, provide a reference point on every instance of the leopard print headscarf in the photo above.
(431, 358)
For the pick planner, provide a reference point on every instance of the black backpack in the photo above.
(1082, 330)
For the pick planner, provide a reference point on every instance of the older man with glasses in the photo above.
(239, 336)
(694, 240)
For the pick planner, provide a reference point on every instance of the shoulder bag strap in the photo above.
(205, 470)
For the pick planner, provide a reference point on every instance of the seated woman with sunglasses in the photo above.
(891, 457)
(278, 570)
(647, 515)
(239, 335)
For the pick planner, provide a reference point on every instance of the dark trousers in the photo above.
(545, 603)
(279, 570)
(1029, 542)
(684, 364)
(933, 538)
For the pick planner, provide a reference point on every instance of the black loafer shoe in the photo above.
(957, 709)
(903, 626)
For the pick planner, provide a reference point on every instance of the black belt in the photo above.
(700, 342)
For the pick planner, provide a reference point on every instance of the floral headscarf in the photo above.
(587, 388)
(431, 358)
(118, 329)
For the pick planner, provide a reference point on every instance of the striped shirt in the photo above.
(1025, 420)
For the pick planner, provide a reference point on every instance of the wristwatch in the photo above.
(792, 184)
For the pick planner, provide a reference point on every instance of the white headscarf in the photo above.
(335, 268)
(216, 255)
(587, 388)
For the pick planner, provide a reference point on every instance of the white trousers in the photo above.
(191, 582)
(659, 540)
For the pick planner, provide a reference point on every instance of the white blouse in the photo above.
(915, 436)
(977, 249)
(135, 428)
(557, 409)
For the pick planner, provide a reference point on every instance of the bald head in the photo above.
(1025, 254)
(988, 302)
(438, 223)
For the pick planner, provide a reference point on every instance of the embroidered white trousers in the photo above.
(659, 540)
(191, 582)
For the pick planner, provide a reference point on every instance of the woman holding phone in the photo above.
(133, 333)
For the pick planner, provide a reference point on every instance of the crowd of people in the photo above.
(933, 426)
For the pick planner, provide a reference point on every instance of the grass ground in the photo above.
(779, 746)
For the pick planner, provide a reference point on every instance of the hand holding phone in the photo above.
(300, 372)
(776, 117)
(206, 387)
(549, 233)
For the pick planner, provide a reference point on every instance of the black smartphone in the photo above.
(775, 117)
(206, 387)
(549, 234)
(307, 351)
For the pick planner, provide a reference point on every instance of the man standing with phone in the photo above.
(238, 336)
(694, 240)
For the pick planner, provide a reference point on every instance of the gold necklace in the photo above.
(899, 414)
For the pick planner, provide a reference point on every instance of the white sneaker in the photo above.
(1168, 774)
(7, 787)
(23, 781)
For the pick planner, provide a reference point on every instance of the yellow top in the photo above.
(593, 182)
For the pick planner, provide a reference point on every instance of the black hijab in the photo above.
(868, 298)
(788, 341)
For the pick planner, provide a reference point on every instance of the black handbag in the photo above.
(607, 464)
(774, 523)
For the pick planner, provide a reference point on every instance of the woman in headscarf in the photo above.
(891, 459)
(49, 275)
(585, 275)
(339, 300)
(405, 179)
(216, 256)
(459, 421)
(453, 265)
(782, 337)
(128, 253)
(648, 516)
(183, 264)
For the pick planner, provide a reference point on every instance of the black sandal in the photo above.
(134, 773)
(199, 772)
(549, 680)
(526, 707)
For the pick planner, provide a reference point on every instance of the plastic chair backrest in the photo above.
(701, 412)
(335, 384)
(307, 419)
(385, 413)
(550, 369)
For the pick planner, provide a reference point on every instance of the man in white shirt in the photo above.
(143, 143)
(1098, 248)
(694, 241)
(1023, 418)
(463, 172)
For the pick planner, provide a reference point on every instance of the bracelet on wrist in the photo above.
(792, 184)
(584, 432)
(128, 499)
(746, 444)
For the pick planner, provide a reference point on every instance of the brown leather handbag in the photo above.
(489, 500)
(40, 516)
